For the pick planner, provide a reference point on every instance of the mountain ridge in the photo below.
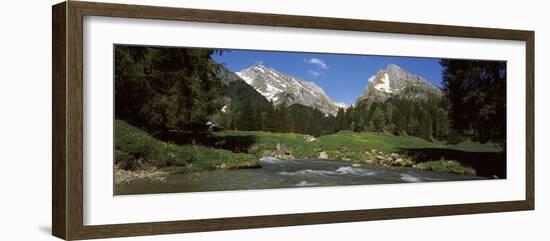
(391, 82)
(281, 88)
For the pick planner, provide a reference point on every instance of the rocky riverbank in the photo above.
(367, 156)
(151, 174)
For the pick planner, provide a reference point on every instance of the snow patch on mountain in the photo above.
(384, 84)
(341, 105)
(246, 79)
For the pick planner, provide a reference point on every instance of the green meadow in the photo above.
(135, 149)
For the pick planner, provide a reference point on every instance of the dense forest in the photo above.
(167, 89)
(426, 119)
(160, 89)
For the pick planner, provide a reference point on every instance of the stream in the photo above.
(287, 174)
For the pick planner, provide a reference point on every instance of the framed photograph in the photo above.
(171, 120)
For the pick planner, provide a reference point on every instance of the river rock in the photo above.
(355, 165)
(323, 155)
(309, 138)
(394, 155)
(380, 157)
(283, 152)
(129, 162)
(281, 147)
(284, 156)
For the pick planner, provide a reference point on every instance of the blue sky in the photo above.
(343, 77)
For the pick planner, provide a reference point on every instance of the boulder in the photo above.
(282, 147)
(129, 162)
(367, 155)
(309, 138)
(283, 152)
(283, 156)
(403, 162)
(323, 155)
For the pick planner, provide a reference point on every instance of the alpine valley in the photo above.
(185, 122)
(394, 101)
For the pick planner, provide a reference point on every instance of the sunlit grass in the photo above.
(132, 141)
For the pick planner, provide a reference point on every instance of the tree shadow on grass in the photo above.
(231, 143)
(487, 164)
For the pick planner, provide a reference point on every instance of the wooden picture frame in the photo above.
(67, 124)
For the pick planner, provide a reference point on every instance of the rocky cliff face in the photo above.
(395, 81)
(391, 82)
(282, 88)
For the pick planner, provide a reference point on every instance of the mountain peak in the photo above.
(393, 67)
(396, 81)
(258, 66)
(283, 88)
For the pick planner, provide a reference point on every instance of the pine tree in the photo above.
(283, 124)
(441, 124)
(166, 88)
(389, 114)
(477, 95)
(247, 118)
(341, 119)
(424, 125)
(378, 120)
(271, 121)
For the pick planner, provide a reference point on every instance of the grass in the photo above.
(446, 166)
(135, 149)
(352, 141)
(472, 146)
(357, 146)
(136, 146)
